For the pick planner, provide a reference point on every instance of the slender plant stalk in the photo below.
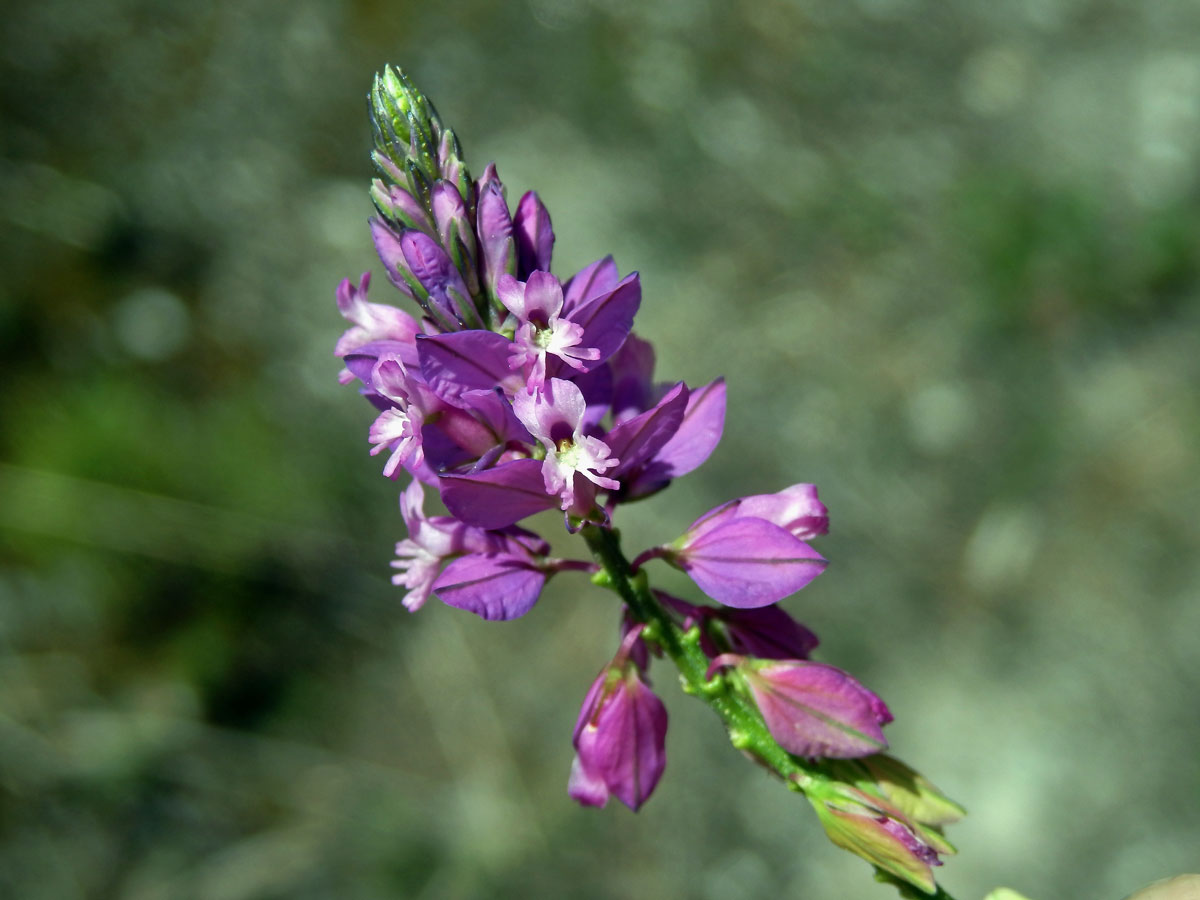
(743, 722)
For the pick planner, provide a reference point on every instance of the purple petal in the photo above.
(749, 562)
(625, 741)
(795, 509)
(636, 440)
(699, 432)
(606, 320)
(543, 298)
(466, 361)
(399, 204)
(495, 498)
(588, 788)
(553, 413)
(448, 210)
(495, 232)
(596, 387)
(494, 586)
(767, 633)
(816, 710)
(534, 234)
(448, 294)
(387, 245)
(361, 361)
(591, 281)
(633, 369)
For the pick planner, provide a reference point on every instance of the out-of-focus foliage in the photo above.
(947, 255)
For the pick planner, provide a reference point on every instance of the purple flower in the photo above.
(398, 428)
(536, 303)
(813, 709)
(554, 415)
(370, 321)
(429, 543)
(620, 737)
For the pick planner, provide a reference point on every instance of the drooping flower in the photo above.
(812, 709)
(430, 542)
(620, 737)
(554, 415)
(370, 321)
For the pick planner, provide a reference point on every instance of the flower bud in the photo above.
(813, 709)
(455, 231)
(620, 738)
(881, 836)
(534, 235)
(406, 126)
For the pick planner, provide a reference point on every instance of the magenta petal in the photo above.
(636, 440)
(816, 710)
(606, 320)
(795, 509)
(466, 361)
(534, 234)
(749, 562)
(585, 786)
(624, 742)
(495, 587)
(591, 281)
(495, 498)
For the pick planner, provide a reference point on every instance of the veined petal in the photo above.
(493, 586)
(591, 281)
(748, 563)
(638, 439)
(495, 498)
(698, 433)
(607, 319)
(816, 710)
(466, 361)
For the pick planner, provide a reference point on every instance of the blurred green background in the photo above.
(947, 254)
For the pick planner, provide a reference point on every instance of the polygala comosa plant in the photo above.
(509, 391)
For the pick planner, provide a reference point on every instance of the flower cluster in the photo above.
(514, 392)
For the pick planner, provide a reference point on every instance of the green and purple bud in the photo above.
(407, 132)
(812, 709)
(879, 833)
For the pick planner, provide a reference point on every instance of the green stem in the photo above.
(743, 721)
